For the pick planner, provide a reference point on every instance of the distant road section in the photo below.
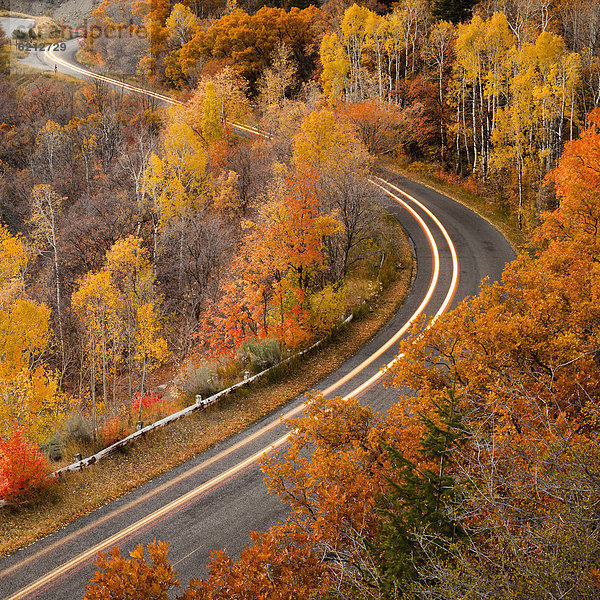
(9, 24)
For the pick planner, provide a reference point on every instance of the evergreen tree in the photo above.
(421, 499)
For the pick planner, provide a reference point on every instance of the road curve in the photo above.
(214, 500)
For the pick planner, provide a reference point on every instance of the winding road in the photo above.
(214, 500)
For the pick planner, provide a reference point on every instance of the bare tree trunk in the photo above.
(180, 273)
(58, 300)
(473, 101)
(104, 382)
(93, 389)
(520, 177)
(142, 387)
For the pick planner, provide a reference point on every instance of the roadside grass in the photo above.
(21, 72)
(79, 493)
(485, 208)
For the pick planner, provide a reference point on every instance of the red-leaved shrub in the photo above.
(148, 400)
(23, 469)
(114, 429)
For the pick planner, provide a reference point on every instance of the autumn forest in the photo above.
(154, 252)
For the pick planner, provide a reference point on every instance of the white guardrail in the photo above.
(199, 405)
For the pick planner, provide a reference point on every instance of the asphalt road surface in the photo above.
(213, 501)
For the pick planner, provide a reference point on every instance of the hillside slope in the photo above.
(72, 12)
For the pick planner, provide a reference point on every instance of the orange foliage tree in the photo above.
(523, 358)
(277, 269)
(133, 578)
(577, 179)
(375, 123)
(248, 41)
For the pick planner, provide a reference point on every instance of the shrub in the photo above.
(76, 437)
(115, 428)
(260, 354)
(52, 448)
(327, 308)
(148, 400)
(195, 380)
(23, 469)
(76, 431)
(420, 167)
(159, 410)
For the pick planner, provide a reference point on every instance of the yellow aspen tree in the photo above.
(29, 391)
(231, 95)
(414, 15)
(181, 25)
(226, 198)
(95, 306)
(230, 100)
(499, 47)
(154, 193)
(530, 129)
(480, 84)
(327, 146)
(49, 140)
(354, 37)
(177, 185)
(470, 45)
(375, 39)
(335, 68)
(132, 273)
(186, 159)
(394, 47)
(151, 349)
(436, 52)
(277, 78)
(83, 133)
(510, 138)
(13, 262)
(212, 127)
(556, 75)
(555, 80)
(332, 151)
(320, 141)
